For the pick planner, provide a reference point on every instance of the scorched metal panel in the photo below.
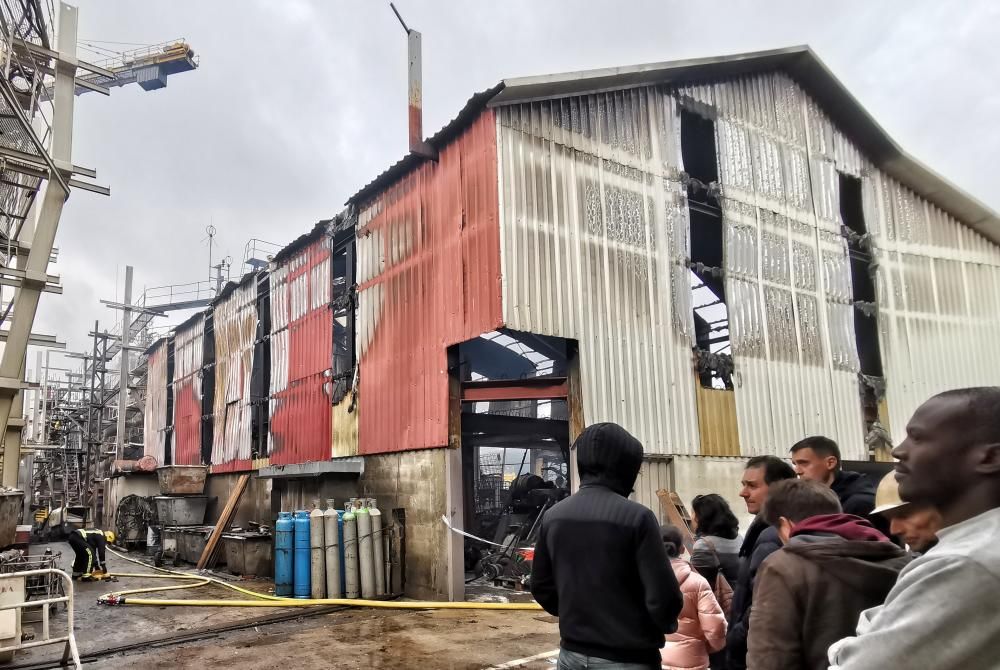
(594, 232)
(235, 322)
(188, 361)
(301, 356)
(428, 277)
(155, 417)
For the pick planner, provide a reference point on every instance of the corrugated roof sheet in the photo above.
(800, 62)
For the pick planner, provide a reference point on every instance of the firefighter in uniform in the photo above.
(88, 544)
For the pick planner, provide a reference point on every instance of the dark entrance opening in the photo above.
(713, 349)
(515, 447)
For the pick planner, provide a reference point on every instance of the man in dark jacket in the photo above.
(600, 565)
(809, 595)
(760, 542)
(818, 458)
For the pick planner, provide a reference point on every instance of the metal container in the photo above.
(317, 553)
(171, 543)
(179, 480)
(332, 547)
(181, 511)
(193, 542)
(352, 578)
(283, 531)
(249, 554)
(10, 511)
(301, 570)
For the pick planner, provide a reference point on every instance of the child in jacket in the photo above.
(701, 626)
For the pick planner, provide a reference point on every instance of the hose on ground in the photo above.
(266, 600)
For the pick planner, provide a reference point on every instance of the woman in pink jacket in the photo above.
(701, 626)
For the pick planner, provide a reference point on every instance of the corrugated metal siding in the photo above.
(301, 357)
(594, 245)
(235, 319)
(428, 277)
(155, 417)
(594, 232)
(188, 360)
(787, 270)
(939, 294)
(655, 474)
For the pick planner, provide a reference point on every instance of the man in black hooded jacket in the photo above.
(600, 565)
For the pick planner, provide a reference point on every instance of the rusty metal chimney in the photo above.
(415, 94)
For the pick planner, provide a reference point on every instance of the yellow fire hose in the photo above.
(266, 600)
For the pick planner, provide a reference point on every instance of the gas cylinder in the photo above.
(378, 547)
(350, 552)
(283, 555)
(331, 547)
(317, 553)
(366, 555)
(300, 555)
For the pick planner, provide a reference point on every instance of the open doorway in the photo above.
(515, 448)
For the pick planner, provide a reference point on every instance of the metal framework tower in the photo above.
(36, 158)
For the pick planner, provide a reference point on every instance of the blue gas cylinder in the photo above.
(283, 555)
(302, 570)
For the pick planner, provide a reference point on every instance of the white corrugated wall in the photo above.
(590, 198)
(787, 269)
(939, 295)
(594, 241)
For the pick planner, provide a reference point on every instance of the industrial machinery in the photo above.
(508, 560)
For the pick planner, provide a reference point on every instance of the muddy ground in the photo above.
(361, 638)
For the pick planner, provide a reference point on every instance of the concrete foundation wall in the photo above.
(698, 475)
(289, 495)
(415, 481)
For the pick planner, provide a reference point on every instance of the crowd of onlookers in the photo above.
(836, 571)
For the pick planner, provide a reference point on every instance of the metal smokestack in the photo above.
(415, 92)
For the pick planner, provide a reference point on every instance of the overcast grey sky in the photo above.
(297, 104)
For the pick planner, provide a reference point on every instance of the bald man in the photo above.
(942, 613)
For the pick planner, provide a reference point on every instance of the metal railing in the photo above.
(69, 639)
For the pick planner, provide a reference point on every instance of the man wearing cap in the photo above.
(942, 612)
(914, 523)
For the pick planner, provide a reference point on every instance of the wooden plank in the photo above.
(207, 559)
(677, 514)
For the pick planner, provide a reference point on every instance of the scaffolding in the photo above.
(36, 174)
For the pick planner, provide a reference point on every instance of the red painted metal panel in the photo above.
(188, 361)
(429, 277)
(301, 356)
(494, 392)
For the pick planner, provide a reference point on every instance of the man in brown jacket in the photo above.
(809, 594)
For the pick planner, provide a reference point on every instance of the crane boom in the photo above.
(147, 66)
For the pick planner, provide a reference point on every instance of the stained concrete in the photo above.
(102, 626)
(444, 640)
(358, 638)
(415, 481)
